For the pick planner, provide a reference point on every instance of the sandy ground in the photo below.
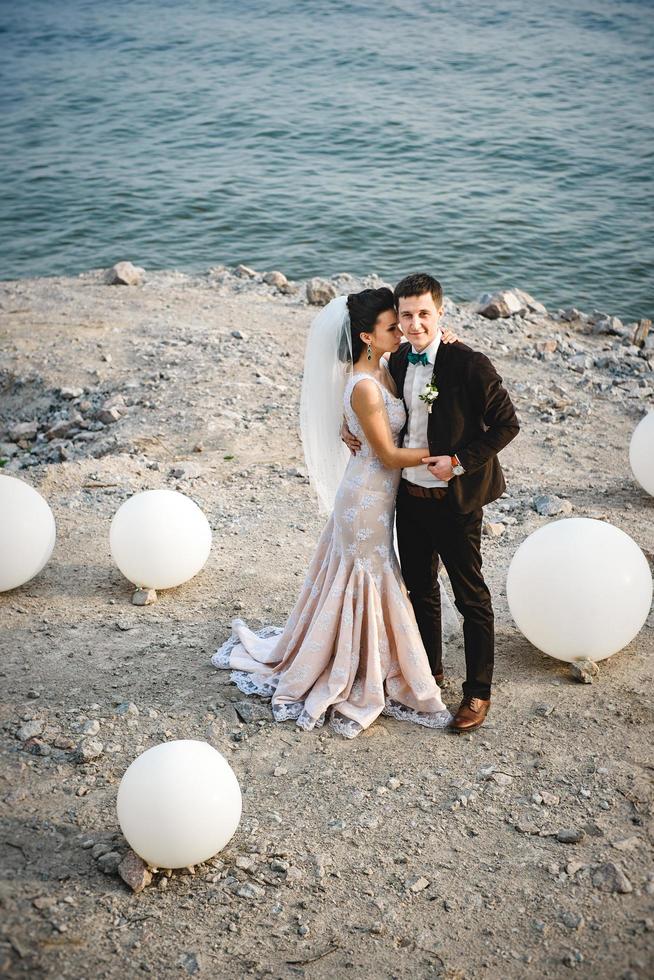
(403, 853)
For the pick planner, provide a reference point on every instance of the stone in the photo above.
(580, 362)
(33, 694)
(393, 783)
(30, 730)
(102, 847)
(144, 597)
(584, 671)
(280, 771)
(109, 415)
(493, 530)
(641, 333)
(549, 505)
(277, 279)
(549, 799)
(134, 872)
(89, 749)
(500, 305)
(546, 346)
(571, 920)
(626, 843)
(529, 303)
(608, 325)
(320, 292)
(416, 883)
(109, 862)
(70, 393)
(61, 429)
(238, 335)
(23, 430)
(544, 710)
(127, 708)
(251, 711)
(124, 274)
(190, 962)
(245, 272)
(250, 891)
(570, 835)
(610, 877)
(91, 727)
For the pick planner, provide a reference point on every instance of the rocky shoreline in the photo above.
(521, 851)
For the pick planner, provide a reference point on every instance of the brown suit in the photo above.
(473, 417)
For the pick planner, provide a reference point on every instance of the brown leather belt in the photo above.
(436, 493)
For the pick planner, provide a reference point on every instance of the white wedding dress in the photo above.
(351, 649)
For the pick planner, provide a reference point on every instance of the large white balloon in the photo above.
(579, 589)
(641, 453)
(159, 539)
(27, 532)
(179, 803)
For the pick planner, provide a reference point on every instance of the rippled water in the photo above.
(490, 143)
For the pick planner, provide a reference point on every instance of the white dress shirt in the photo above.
(417, 376)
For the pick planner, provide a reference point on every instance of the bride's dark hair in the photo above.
(364, 308)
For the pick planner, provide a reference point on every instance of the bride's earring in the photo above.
(369, 353)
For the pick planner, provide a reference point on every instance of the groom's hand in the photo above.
(350, 441)
(440, 467)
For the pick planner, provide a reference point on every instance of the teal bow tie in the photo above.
(418, 358)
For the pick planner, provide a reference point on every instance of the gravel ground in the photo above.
(523, 850)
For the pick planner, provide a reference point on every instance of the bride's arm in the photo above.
(368, 404)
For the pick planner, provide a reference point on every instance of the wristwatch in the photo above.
(457, 468)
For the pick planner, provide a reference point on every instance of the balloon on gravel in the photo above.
(641, 453)
(579, 589)
(159, 539)
(179, 803)
(27, 532)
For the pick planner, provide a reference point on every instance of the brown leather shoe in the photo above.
(471, 714)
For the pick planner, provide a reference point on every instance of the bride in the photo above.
(351, 649)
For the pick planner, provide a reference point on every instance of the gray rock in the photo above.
(252, 711)
(109, 415)
(128, 708)
(89, 749)
(190, 962)
(277, 279)
(23, 430)
(30, 730)
(580, 362)
(416, 883)
(144, 597)
(102, 847)
(91, 727)
(569, 835)
(532, 305)
(572, 920)
(501, 304)
(109, 862)
(320, 292)
(134, 872)
(245, 272)
(33, 694)
(610, 877)
(544, 710)
(549, 505)
(584, 671)
(125, 274)
(237, 335)
(70, 393)
(609, 325)
(250, 891)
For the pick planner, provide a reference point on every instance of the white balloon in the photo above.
(179, 803)
(27, 532)
(641, 453)
(579, 589)
(159, 539)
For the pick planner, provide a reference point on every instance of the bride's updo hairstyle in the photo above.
(364, 308)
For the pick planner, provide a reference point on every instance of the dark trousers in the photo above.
(429, 530)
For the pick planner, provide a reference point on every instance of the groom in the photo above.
(439, 505)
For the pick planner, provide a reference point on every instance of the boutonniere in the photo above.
(428, 395)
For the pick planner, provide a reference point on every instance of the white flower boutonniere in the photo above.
(428, 395)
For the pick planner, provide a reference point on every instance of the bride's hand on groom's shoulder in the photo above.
(350, 441)
(448, 336)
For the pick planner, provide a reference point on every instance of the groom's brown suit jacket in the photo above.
(473, 417)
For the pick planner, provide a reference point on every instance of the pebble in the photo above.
(127, 708)
(549, 505)
(33, 695)
(124, 274)
(572, 920)
(134, 872)
(251, 711)
(109, 862)
(416, 883)
(544, 710)
(610, 877)
(493, 530)
(584, 671)
(91, 727)
(277, 279)
(89, 749)
(144, 597)
(570, 836)
(30, 730)
(250, 891)
(393, 783)
(320, 292)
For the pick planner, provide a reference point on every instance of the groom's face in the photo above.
(419, 319)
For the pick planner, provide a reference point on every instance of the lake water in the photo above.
(490, 143)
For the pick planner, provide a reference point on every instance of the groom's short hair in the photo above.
(417, 284)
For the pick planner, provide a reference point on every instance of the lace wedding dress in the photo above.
(351, 649)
